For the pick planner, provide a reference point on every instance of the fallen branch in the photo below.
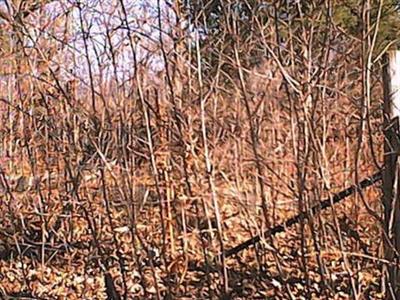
(305, 215)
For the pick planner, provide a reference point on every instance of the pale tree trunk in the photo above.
(391, 183)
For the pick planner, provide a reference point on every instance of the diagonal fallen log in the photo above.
(304, 215)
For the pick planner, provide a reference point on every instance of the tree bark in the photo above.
(391, 183)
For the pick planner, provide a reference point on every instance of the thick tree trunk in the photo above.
(391, 186)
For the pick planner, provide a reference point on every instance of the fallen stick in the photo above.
(304, 215)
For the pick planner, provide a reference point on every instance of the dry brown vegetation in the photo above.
(129, 183)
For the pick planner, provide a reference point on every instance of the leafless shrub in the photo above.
(139, 142)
